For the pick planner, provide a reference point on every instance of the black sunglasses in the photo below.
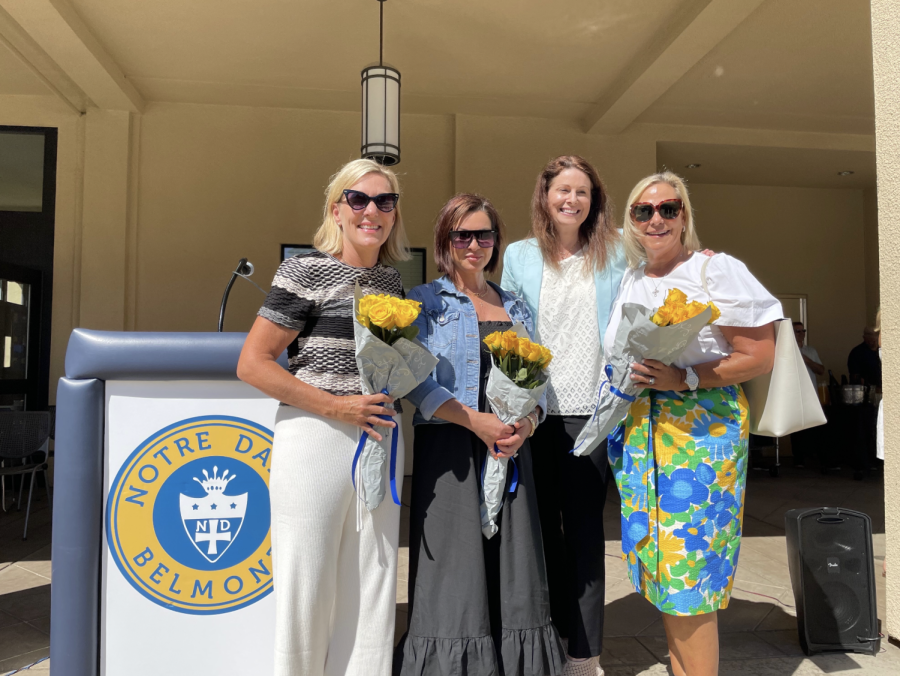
(358, 201)
(461, 239)
(643, 211)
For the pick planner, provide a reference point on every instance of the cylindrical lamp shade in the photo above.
(381, 114)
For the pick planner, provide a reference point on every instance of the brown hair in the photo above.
(454, 211)
(597, 234)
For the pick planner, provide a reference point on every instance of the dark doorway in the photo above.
(27, 214)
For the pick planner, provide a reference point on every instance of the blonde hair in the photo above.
(329, 238)
(634, 250)
(878, 320)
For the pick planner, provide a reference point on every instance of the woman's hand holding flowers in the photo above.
(657, 376)
(491, 431)
(363, 410)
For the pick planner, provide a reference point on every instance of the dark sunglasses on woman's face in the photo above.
(461, 239)
(643, 211)
(358, 201)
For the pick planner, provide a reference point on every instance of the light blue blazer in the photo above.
(523, 270)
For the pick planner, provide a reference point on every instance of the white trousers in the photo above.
(335, 586)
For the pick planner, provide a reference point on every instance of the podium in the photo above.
(161, 541)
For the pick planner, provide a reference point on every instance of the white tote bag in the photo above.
(783, 401)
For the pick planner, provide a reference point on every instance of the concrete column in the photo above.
(105, 220)
(886, 55)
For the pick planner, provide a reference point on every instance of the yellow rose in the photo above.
(715, 313)
(493, 341)
(534, 353)
(508, 342)
(694, 308)
(676, 296)
(381, 314)
(663, 316)
(363, 320)
(405, 313)
(546, 356)
(523, 347)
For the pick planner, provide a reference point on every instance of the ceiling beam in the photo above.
(679, 45)
(59, 31)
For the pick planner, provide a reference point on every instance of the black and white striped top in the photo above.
(313, 294)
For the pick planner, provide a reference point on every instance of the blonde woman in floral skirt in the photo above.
(680, 456)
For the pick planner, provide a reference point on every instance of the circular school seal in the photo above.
(188, 515)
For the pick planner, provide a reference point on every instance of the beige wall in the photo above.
(218, 183)
(154, 210)
(886, 54)
(873, 277)
(796, 241)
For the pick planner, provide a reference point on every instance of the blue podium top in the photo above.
(135, 355)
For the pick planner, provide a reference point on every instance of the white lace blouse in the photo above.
(567, 325)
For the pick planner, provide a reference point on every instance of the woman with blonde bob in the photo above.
(334, 563)
(688, 429)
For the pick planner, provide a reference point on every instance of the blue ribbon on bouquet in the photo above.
(608, 372)
(359, 450)
(515, 476)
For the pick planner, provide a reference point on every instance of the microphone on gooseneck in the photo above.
(244, 269)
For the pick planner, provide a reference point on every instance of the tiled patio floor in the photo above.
(758, 630)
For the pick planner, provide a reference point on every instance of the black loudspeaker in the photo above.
(833, 577)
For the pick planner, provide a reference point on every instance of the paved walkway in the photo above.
(758, 630)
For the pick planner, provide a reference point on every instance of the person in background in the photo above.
(335, 568)
(879, 424)
(810, 356)
(802, 441)
(864, 364)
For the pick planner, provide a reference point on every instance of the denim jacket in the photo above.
(448, 327)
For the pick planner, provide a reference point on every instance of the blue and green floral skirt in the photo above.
(680, 462)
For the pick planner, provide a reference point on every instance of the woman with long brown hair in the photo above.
(568, 272)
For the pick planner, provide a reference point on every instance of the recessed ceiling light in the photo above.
(692, 166)
(844, 173)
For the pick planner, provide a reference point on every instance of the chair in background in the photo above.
(23, 435)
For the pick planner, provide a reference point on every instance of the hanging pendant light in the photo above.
(381, 107)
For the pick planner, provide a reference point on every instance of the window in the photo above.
(21, 171)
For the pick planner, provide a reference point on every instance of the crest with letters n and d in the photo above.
(188, 515)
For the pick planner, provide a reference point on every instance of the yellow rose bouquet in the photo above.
(390, 361)
(518, 358)
(389, 318)
(515, 386)
(662, 334)
(676, 309)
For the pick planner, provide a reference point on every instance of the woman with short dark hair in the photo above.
(477, 607)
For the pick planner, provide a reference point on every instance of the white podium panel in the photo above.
(187, 567)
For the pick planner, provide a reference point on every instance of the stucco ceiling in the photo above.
(791, 64)
(16, 78)
(756, 165)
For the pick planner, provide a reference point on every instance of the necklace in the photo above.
(662, 278)
(480, 295)
(656, 289)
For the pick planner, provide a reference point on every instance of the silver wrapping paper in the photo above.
(510, 403)
(398, 368)
(637, 338)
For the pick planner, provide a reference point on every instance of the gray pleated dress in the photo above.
(477, 607)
